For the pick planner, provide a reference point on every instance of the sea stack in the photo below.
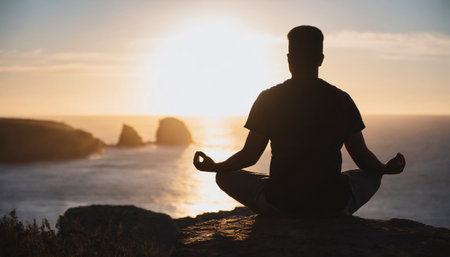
(26, 140)
(129, 137)
(173, 131)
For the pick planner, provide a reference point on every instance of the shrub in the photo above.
(19, 239)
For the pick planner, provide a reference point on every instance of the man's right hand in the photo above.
(207, 164)
(395, 165)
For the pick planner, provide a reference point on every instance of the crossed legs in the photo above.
(363, 185)
(247, 188)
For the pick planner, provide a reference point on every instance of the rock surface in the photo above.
(129, 137)
(188, 221)
(25, 140)
(173, 131)
(136, 223)
(241, 233)
(350, 236)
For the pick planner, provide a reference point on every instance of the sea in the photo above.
(162, 178)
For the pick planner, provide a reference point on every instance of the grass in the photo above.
(31, 239)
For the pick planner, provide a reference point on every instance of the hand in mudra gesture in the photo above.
(395, 165)
(205, 163)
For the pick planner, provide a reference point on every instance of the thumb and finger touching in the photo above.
(202, 161)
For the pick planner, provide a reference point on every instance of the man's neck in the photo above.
(305, 77)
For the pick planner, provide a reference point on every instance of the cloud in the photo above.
(89, 56)
(393, 45)
(40, 61)
(72, 67)
(399, 46)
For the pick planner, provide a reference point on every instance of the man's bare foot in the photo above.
(395, 165)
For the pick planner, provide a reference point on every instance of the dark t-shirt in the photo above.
(307, 126)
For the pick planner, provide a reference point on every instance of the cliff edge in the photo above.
(345, 236)
(241, 233)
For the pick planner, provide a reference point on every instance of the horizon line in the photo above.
(197, 115)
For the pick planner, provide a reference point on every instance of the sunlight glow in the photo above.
(216, 133)
(198, 190)
(209, 68)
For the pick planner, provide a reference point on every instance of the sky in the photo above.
(188, 57)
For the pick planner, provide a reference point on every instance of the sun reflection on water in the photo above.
(198, 191)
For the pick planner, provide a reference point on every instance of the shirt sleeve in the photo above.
(258, 119)
(352, 116)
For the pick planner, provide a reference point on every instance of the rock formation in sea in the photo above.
(129, 137)
(241, 233)
(173, 131)
(26, 140)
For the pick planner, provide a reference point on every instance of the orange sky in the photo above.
(213, 58)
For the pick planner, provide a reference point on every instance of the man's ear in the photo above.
(290, 64)
(320, 61)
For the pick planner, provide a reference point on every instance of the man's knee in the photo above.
(376, 178)
(222, 179)
(366, 182)
(227, 180)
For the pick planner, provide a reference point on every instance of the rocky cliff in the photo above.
(350, 236)
(25, 140)
(241, 233)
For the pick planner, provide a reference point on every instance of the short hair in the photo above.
(305, 39)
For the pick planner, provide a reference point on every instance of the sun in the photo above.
(212, 67)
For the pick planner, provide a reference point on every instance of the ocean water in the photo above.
(163, 179)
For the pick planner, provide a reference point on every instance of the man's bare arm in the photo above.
(366, 160)
(247, 156)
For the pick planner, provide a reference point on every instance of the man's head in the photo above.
(305, 49)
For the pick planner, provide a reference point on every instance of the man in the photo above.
(307, 121)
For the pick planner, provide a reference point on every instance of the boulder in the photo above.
(26, 140)
(139, 225)
(173, 131)
(341, 236)
(129, 137)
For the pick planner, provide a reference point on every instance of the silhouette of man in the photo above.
(307, 122)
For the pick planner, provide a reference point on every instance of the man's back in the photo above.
(307, 125)
(307, 121)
